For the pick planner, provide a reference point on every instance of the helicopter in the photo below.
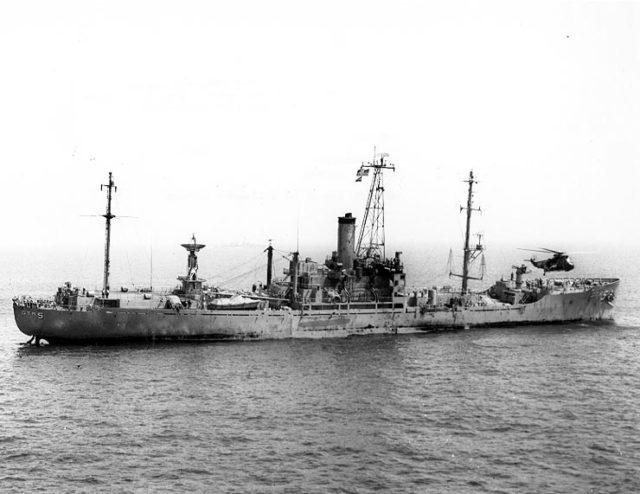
(560, 261)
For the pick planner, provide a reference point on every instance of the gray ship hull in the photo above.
(341, 320)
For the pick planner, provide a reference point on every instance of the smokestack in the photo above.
(346, 240)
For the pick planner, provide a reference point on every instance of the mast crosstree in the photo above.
(371, 240)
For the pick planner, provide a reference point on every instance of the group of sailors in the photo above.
(564, 283)
(29, 303)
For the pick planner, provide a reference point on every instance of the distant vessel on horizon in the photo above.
(356, 291)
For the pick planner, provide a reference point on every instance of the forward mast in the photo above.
(469, 254)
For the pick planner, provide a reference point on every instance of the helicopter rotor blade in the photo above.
(552, 251)
(544, 250)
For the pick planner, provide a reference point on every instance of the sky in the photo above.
(245, 121)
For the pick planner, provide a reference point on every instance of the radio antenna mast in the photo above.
(371, 241)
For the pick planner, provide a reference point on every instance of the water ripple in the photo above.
(550, 409)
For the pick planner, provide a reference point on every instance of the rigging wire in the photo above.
(245, 274)
(130, 270)
(240, 265)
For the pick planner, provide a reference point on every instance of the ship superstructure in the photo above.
(356, 290)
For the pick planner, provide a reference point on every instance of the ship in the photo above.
(357, 290)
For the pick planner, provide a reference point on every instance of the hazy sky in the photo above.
(247, 120)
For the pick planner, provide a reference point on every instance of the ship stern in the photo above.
(29, 318)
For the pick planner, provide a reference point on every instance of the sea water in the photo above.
(512, 409)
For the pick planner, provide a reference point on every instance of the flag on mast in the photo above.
(362, 172)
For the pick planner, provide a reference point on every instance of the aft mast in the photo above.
(469, 208)
(107, 246)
